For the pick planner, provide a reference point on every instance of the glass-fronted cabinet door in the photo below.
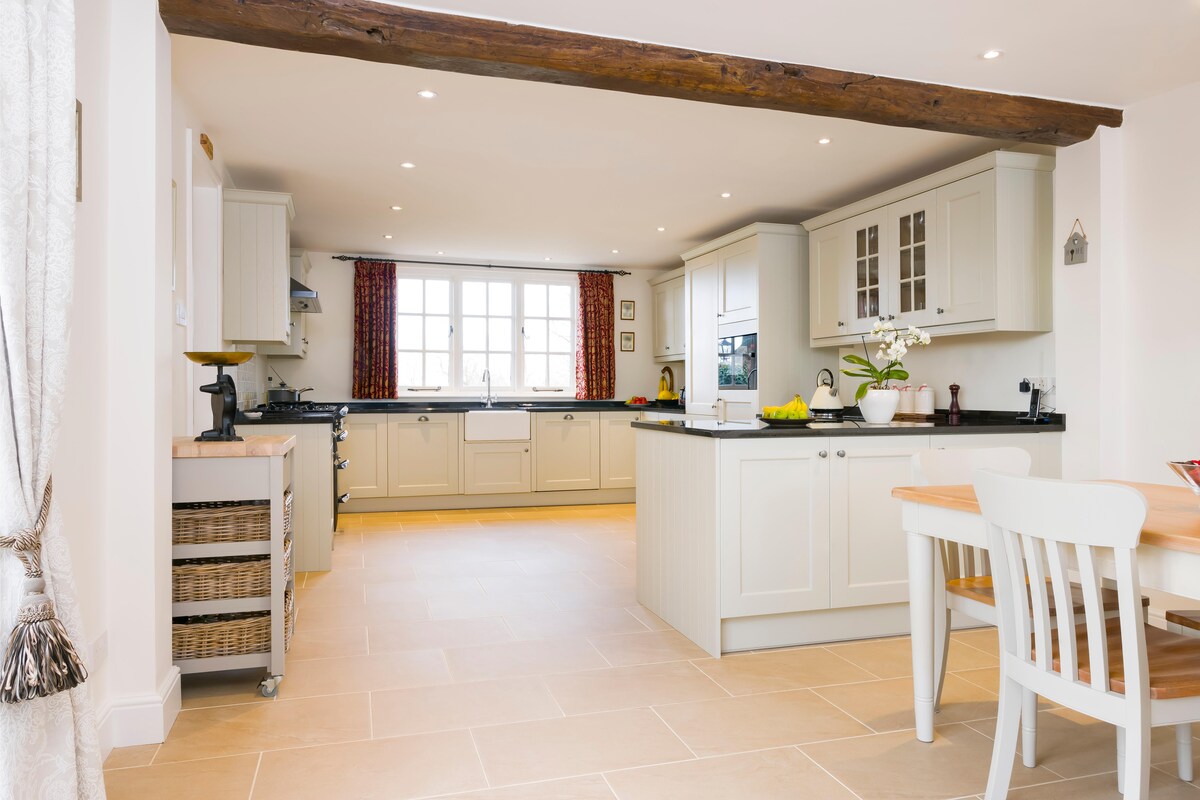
(911, 289)
(867, 281)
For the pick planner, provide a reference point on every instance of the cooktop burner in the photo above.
(303, 407)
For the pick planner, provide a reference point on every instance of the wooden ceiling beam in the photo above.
(396, 35)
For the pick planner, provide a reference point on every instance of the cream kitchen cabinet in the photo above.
(810, 524)
(618, 458)
(670, 315)
(750, 281)
(867, 549)
(964, 250)
(496, 467)
(774, 526)
(297, 347)
(365, 450)
(566, 450)
(256, 266)
(423, 454)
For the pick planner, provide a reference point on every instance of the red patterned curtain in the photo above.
(374, 330)
(595, 361)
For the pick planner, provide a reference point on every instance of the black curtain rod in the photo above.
(481, 266)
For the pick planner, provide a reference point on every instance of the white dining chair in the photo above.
(1121, 671)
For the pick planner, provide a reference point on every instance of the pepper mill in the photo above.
(955, 410)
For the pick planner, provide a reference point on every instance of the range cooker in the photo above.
(301, 410)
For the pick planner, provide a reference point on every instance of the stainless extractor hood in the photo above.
(304, 299)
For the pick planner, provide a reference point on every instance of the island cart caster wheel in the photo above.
(270, 686)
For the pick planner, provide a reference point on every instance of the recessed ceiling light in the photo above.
(428, 94)
(661, 229)
(441, 253)
(824, 140)
(616, 251)
(547, 258)
(387, 236)
(726, 194)
(408, 165)
(397, 208)
(991, 54)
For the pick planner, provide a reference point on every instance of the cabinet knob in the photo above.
(568, 416)
(526, 449)
(841, 453)
(841, 324)
(824, 454)
(881, 319)
(891, 316)
(422, 418)
(941, 311)
(668, 347)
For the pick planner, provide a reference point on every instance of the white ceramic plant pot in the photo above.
(879, 406)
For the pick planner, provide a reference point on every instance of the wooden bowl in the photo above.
(223, 358)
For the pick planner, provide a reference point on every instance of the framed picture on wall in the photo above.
(627, 310)
(626, 342)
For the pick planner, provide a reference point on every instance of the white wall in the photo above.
(987, 367)
(331, 335)
(81, 472)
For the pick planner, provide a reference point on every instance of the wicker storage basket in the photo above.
(287, 561)
(289, 618)
(229, 578)
(221, 635)
(219, 523)
(287, 513)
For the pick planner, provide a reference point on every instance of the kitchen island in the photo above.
(753, 537)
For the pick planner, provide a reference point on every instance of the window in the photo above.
(423, 332)
(452, 327)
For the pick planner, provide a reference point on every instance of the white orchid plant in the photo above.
(893, 347)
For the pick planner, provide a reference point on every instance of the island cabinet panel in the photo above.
(867, 563)
(366, 451)
(567, 451)
(618, 461)
(423, 454)
(774, 526)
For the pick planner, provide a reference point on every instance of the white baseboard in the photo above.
(142, 719)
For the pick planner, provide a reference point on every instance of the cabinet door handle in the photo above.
(841, 324)
(891, 316)
(824, 454)
(881, 319)
(422, 418)
(568, 416)
(841, 453)
(941, 311)
(668, 347)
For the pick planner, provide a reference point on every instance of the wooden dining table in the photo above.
(1168, 560)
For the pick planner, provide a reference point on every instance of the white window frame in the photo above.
(518, 278)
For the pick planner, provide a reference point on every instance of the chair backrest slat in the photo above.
(1033, 527)
(1039, 604)
(1058, 565)
(1093, 610)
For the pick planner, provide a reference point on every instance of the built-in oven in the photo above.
(737, 362)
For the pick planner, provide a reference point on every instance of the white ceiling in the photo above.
(516, 171)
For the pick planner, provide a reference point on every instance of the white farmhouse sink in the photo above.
(496, 425)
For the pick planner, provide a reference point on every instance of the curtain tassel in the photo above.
(40, 660)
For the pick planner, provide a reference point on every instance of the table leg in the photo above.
(920, 609)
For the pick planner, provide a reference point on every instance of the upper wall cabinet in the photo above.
(965, 250)
(670, 316)
(298, 346)
(255, 257)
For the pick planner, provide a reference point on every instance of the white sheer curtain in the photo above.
(48, 747)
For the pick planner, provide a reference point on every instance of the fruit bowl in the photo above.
(784, 423)
(1189, 471)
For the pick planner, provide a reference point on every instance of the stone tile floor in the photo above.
(501, 655)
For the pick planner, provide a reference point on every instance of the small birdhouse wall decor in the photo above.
(1076, 248)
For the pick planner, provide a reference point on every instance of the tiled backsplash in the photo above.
(251, 379)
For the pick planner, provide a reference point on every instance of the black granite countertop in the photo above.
(285, 419)
(976, 422)
(458, 406)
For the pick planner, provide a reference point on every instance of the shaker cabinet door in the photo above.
(423, 454)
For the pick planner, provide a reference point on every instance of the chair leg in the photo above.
(1029, 705)
(1004, 748)
(1183, 751)
(1121, 760)
(1137, 763)
(941, 652)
